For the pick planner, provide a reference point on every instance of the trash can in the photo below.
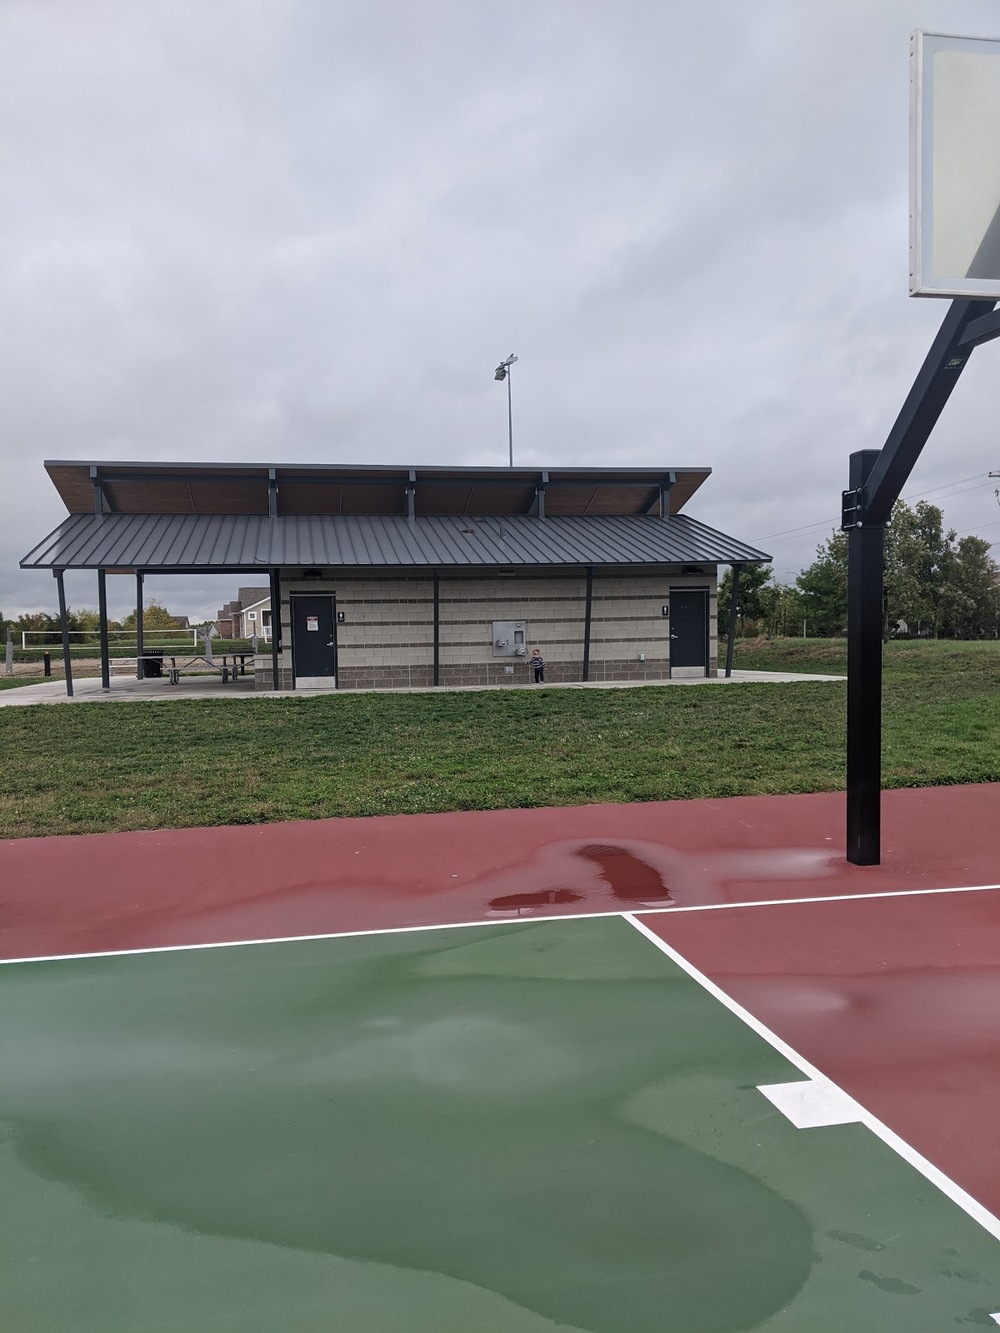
(152, 666)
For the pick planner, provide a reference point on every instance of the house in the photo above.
(248, 615)
(421, 576)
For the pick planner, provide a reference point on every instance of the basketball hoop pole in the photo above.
(876, 479)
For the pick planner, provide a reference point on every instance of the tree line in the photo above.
(936, 584)
(45, 628)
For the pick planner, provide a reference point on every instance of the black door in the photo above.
(689, 629)
(314, 638)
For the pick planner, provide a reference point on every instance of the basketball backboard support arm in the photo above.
(876, 480)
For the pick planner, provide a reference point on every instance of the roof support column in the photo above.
(140, 666)
(588, 609)
(437, 628)
(276, 627)
(64, 625)
(665, 486)
(272, 492)
(540, 486)
(102, 615)
(733, 608)
(411, 494)
(95, 477)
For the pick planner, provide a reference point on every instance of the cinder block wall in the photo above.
(387, 638)
(387, 635)
(552, 608)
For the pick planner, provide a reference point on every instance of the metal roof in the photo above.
(242, 542)
(255, 488)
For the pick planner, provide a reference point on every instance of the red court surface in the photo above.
(189, 886)
(896, 1000)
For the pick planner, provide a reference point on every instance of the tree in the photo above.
(782, 610)
(44, 629)
(971, 597)
(755, 585)
(931, 579)
(823, 588)
(154, 616)
(917, 567)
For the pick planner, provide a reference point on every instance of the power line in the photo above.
(915, 495)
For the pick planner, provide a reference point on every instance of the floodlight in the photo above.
(502, 372)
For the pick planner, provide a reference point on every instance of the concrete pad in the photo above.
(130, 690)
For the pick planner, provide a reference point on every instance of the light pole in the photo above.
(502, 372)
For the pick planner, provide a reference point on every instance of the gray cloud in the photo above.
(299, 230)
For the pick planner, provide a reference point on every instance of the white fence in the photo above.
(182, 637)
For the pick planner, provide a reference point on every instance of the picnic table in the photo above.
(229, 665)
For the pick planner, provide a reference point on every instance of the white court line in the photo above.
(820, 898)
(915, 1159)
(492, 921)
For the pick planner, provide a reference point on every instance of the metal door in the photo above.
(689, 629)
(314, 640)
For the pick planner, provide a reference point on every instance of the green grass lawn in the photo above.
(111, 766)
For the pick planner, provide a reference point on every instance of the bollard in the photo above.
(9, 655)
(47, 663)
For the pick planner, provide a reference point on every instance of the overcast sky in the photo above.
(308, 230)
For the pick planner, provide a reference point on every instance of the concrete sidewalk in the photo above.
(129, 690)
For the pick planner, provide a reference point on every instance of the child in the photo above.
(537, 664)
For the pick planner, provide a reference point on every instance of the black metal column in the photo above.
(733, 608)
(140, 666)
(864, 678)
(276, 627)
(586, 622)
(64, 625)
(102, 615)
(437, 629)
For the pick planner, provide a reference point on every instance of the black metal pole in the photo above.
(864, 678)
(937, 377)
(510, 424)
(140, 666)
(437, 629)
(276, 628)
(733, 607)
(587, 616)
(102, 615)
(64, 624)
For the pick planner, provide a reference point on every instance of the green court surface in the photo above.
(493, 1129)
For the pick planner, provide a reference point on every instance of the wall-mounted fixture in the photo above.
(510, 638)
(665, 609)
(341, 617)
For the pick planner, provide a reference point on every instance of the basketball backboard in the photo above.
(954, 166)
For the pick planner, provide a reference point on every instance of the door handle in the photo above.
(675, 636)
(330, 644)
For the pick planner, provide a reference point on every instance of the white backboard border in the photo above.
(954, 174)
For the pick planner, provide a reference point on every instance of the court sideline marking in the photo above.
(927, 1169)
(495, 921)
